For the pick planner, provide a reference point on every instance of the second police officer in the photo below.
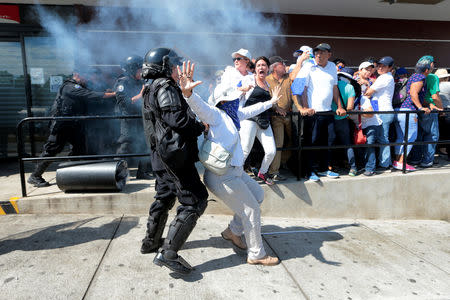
(128, 95)
(71, 100)
(165, 107)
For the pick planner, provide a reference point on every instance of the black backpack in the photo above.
(353, 82)
(400, 93)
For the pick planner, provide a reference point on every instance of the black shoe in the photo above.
(369, 173)
(173, 261)
(37, 181)
(148, 246)
(144, 175)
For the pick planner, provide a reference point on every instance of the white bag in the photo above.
(214, 157)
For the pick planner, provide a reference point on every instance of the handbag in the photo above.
(358, 136)
(214, 157)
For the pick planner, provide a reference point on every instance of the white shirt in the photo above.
(320, 83)
(444, 88)
(231, 77)
(221, 127)
(366, 122)
(384, 87)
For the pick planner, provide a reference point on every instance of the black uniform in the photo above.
(71, 100)
(130, 139)
(163, 99)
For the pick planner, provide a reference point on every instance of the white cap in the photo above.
(365, 64)
(305, 49)
(243, 52)
(225, 93)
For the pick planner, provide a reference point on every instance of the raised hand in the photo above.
(185, 75)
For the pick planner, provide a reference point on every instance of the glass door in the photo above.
(13, 104)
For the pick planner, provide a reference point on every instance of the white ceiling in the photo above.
(349, 8)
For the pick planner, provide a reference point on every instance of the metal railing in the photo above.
(299, 148)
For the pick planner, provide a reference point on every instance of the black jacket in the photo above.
(163, 99)
(72, 98)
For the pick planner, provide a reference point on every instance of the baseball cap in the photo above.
(347, 72)
(302, 49)
(243, 52)
(323, 46)
(276, 59)
(401, 71)
(387, 61)
(365, 64)
(427, 57)
(224, 92)
(442, 73)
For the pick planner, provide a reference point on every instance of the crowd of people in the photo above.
(324, 92)
(254, 99)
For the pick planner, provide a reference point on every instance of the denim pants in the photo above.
(400, 130)
(342, 130)
(243, 196)
(384, 158)
(428, 131)
(372, 134)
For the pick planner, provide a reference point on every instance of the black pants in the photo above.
(185, 184)
(444, 128)
(62, 133)
(318, 131)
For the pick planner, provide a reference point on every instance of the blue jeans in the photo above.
(385, 152)
(342, 129)
(372, 133)
(400, 130)
(428, 131)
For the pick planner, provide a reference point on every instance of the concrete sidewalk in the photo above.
(97, 257)
(423, 194)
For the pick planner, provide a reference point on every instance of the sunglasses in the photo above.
(238, 58)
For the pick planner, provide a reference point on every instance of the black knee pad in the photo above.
(180, 229)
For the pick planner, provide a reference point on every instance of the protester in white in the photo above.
(381, 93)
(235, 188)
(316, 87)
(234, 74)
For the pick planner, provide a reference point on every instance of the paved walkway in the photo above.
(97, 257)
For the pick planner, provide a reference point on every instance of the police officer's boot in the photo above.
(179, 231)
(155, 227)
(144, 169)
(36, 177)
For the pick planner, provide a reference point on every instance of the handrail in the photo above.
(299, 148)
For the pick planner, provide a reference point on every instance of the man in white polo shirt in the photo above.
(315, 88)
(381, 93)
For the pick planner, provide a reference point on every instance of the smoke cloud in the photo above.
(204, 31)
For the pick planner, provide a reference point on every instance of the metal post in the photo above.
(405, 142)
(19, 154)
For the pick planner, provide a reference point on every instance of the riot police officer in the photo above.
(128, 88)
(165, 107)
(70, 101)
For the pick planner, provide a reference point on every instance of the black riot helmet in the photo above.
(131, 64)
(158, 63)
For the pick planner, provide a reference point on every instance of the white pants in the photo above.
(249, 130)
(243, 196)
